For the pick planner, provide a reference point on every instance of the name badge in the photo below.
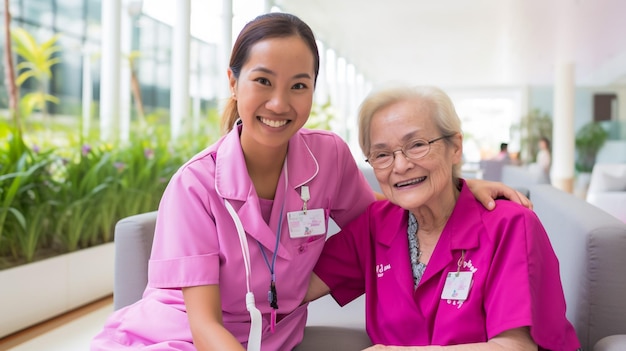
(457, 286)
(306, 223)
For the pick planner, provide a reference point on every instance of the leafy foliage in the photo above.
(531, 129)
(589, 140)
(61, 191)
(321, 117)
(66, 198)
(37, 63)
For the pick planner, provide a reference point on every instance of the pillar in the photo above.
(562, 173)
(332, 86)
(110, 70)
(352, 106)
(126, 48)
(87, 92)
(267, 5)
(621, 111)
(224, 48)
(179, 93)
(321, 87)
(342, 97)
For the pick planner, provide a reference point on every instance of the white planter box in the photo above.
(35, 292)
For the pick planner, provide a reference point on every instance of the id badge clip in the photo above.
(307, 222)
(458, 284)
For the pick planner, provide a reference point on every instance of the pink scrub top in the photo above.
(515, 281)
(196, 243)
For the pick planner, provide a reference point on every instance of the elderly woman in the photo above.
(436, 266)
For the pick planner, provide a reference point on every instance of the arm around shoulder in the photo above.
(487, 191)
(317, 289)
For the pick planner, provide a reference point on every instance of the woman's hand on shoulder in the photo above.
(487, 192)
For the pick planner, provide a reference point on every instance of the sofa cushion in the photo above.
(611, 343)
(590, 246)
(608, 177)
(613, 183)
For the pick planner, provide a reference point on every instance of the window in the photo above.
(70, 17)
(604, 107)
(486, 123)
(39, 12)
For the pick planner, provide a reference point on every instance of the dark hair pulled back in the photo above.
(266, 26)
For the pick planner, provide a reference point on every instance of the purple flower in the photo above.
(36, 148)
(148, 153)
(86, 149)
(119, 166)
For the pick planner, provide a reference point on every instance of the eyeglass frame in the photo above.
(402, 149)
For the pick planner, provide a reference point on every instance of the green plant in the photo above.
(531, 128)
(37, 64)
(80, 182)
(589, 140)
(144, 172)
(61, 192)
(321, 117)
(24, 197)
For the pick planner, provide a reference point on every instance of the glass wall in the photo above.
(78, 23)
(71, 19)
(149, 37)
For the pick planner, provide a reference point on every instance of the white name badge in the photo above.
(457, 286)
(306, 223)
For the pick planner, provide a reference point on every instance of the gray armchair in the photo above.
(330, 328)
(133, 243)
(590, 245)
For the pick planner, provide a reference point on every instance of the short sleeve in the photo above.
(185, 251)
(524, 286)
(340, 266)
(353, 193)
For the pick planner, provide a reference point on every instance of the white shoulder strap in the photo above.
(256, 323)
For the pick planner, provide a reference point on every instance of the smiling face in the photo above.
(413, 183)
(274, 92)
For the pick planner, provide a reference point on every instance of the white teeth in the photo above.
(273, 123)
(410, 182)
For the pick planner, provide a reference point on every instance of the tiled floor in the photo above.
(74, 335)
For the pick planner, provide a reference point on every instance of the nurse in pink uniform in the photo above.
(438, 268)
(264, 191)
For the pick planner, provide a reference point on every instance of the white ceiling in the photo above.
(473, 43)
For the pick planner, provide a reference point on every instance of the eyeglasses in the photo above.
(413, 150)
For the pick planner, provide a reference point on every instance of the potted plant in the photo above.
(589, 140)
(531, 128)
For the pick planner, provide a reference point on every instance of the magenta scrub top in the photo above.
(516, 279)
(196, 243)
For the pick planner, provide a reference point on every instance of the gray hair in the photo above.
(443, 112)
